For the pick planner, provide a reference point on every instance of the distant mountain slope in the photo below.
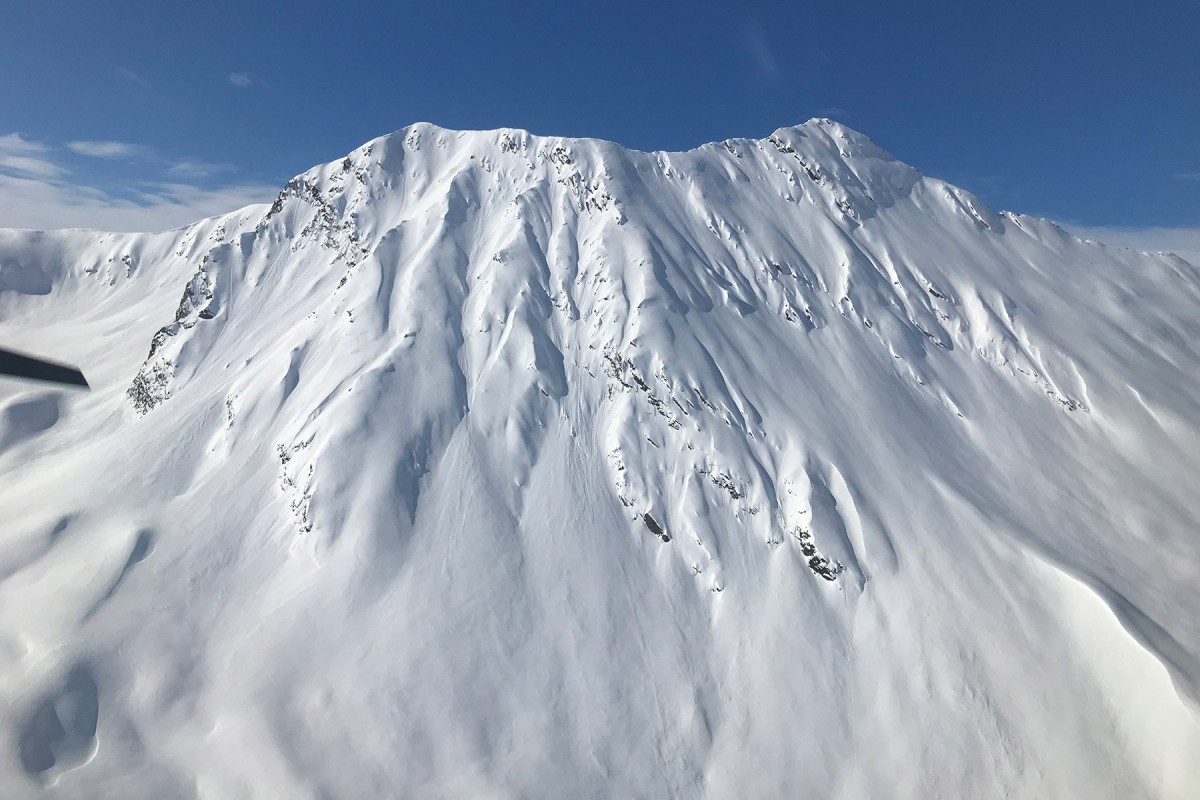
(487, 464)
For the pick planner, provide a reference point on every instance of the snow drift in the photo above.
(487, 464)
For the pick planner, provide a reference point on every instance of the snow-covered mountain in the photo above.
(482, 464)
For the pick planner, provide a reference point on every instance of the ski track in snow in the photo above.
(482, 463)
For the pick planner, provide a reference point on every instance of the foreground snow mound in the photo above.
(486, 464)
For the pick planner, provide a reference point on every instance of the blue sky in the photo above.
(130, 113)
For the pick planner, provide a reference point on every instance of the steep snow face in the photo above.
(486, 464)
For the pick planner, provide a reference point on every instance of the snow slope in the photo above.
(491, 465)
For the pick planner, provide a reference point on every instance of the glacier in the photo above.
(491, 464)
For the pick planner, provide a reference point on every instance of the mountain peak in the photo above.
(416, 132)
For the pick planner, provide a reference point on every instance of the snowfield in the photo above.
(482, 464)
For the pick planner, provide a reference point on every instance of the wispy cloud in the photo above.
(26, 157)
(107, 149)
(241, 80)
(27, 165)
(190, 168)
(756, 45)
(133, 77)
(16, 143)
(1183, 242)
(1186, 176)
(30, 203)
(37, 192)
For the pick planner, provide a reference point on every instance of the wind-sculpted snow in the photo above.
(481, 463)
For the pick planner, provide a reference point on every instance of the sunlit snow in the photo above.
(484, 464)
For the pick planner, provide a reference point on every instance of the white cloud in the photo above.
(35, 192)
(28, 165)
(26, 157)
(241, 80)
(1187, 176)
(16, 143)
(189, 168)
(106, 149)
(133, 77)
(32, 203)
(754, 42)
(1183, 242)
